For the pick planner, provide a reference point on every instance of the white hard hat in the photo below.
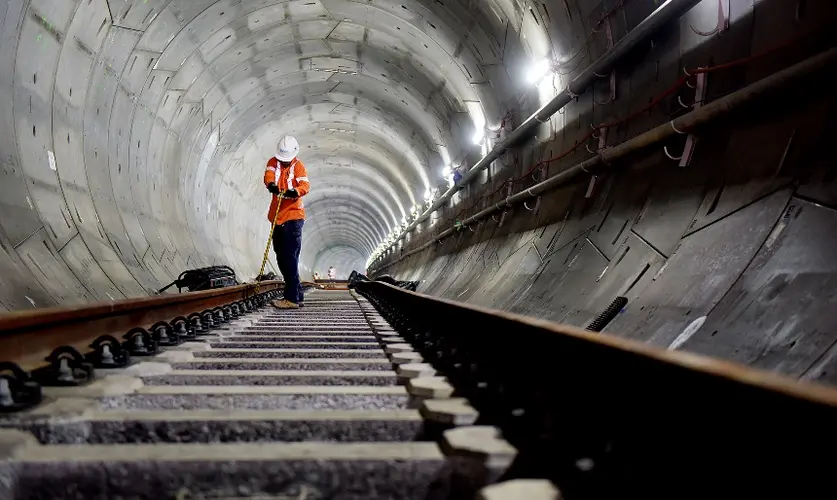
(287, 149)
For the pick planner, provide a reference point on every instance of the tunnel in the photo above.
(539, 157)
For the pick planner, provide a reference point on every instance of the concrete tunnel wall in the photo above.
(133, 137)
(134, 134)
(732, 256)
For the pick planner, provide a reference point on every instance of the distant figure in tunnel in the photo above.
(332, 273)
(457, 175)
(286, 175)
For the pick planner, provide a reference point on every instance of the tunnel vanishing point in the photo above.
(539, 157)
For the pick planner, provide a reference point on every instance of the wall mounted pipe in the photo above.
(671, 9)
(682, 125)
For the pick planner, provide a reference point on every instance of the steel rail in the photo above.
(326, 284)
(607, 417)
(27, 338)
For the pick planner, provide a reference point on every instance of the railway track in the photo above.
(382, 393)
(308, 404)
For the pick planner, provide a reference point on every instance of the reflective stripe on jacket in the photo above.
(292, 177)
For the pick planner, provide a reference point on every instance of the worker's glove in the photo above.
(291, 193)
(273, 188)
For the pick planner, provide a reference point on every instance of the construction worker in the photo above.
(332, 273)
(457, 175)
(286, 175)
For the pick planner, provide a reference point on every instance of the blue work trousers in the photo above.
(287, 241)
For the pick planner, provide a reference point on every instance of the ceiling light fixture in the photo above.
(479, 135)
(539, 71)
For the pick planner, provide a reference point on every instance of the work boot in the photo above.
(284, 304)
(301, 304)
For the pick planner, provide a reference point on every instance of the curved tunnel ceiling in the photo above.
(351, 82)
(136, 132)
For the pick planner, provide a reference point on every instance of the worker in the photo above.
(457, 175)
(316, 276)
(332, 273)
(286, 175)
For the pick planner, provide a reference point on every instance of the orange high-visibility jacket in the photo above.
(293, 177)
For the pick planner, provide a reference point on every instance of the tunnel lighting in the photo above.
(538, 71)
(446, 172)
(443, 151)
(479, 135)
(428, 195)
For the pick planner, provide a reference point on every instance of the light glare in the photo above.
(538, 71)
(479, 135)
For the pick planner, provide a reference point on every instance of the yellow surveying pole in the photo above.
(269, 239)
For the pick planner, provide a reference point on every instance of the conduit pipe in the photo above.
(671, 9)
(679, 126)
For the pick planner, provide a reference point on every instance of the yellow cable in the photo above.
(269, 240)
